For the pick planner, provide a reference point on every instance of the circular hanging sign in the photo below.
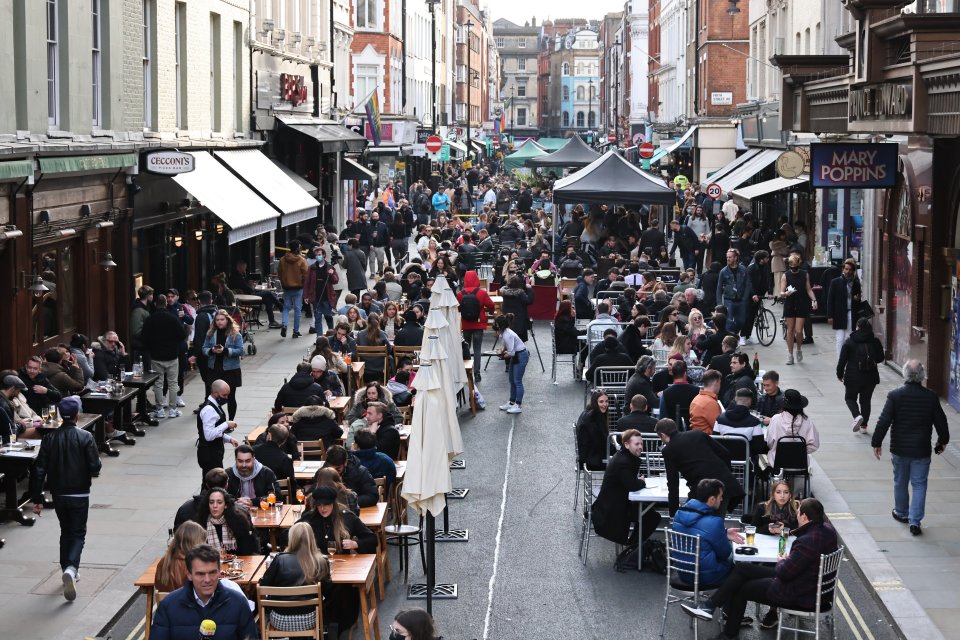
(790, 164)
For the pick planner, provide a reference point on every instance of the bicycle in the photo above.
(765, 325)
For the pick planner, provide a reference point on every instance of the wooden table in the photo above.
(359, 570)
(253, 567)
(282, 517)
(304, 470)
(258, 431)
(356, 374)
(339, 404)
(375, 519)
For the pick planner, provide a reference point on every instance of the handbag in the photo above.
(864, 310)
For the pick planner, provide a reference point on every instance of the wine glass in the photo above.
(271, 499)
(264, 505)
(45, 413)
(331, 548)
(300, 499)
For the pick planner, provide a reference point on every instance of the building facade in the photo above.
(520, 86)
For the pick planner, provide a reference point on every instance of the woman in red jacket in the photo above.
(473, 316)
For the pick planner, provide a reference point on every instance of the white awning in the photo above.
(228, 197)
(748, 169)
(731, 166)
(351, 170)
(459, 146)
(293, 175)
(663, 151)
(763, 188)
(274, 185)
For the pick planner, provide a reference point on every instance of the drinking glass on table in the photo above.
(331, 548)
(300, 499)
(271, 499)
(750, 533)
(45, 414)
(264, 505)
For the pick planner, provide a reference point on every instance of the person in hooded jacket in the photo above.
(314, 420)
(293, 274)
(300, 387)
(738, 421)
(473, 330)
(700, 516)
(378, 463)
(857, 368)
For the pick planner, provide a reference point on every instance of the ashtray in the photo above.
(746, 551)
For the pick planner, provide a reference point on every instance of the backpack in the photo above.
(865, 361)
(470, 306)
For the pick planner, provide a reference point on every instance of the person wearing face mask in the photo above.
(413, 624)
(319, 291)
(213, 428)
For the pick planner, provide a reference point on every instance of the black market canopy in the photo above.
(575, 153)
(610, 179)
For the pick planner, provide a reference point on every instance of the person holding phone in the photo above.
(223, 348)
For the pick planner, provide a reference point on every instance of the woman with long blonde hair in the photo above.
(171, 570)
(224, 348)
(299, 565)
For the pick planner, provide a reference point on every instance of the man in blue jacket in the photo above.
(203, 599)
(734, 291)
(699, 517)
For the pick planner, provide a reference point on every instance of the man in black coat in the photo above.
(40, 392)
(301, 386)
(679, 394)
(758, 274)
(639, 417)
(652, 238)
(641, 382)
(201, 325)
(721, 361)
(353, 474)
(271, 454)
(613, 513)
(163, 333)
(248, 480)
(611, 356)
(687, 240)
(843, 298)
(696, 456)
(741, 377)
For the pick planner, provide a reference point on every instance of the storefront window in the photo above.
(903, 346)
(53, 313)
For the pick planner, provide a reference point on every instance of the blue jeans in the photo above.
(322, 311)
(736, 314)
(72, 514)
(292, 299)
(517, 368)
(914, 471)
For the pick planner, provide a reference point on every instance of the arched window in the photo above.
(593, 91)
(566, 119)
(580, 93)
(566, 93)
(592, 120)
(580, 119)
(565, 70)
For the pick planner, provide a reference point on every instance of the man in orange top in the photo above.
(705, 409)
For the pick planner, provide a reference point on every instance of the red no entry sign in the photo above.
(434, 144)
(611, 137)
(646, 151)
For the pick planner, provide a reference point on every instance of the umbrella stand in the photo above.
(431, 590)
(448, 534)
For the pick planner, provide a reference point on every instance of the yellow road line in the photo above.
(855, 610)
(853, 627)
(138, 633)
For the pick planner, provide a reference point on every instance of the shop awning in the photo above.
(770, 186)
(734, 164)
(479, 145)
(673, 145)
(16, 169)
(296, 177)
(352, 170)
(458, 146)
(70, 164)
(332, 137)
(748, 169)
(395, 150)
(272, 184)
(228, 198)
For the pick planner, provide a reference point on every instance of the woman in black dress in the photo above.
(798, 299)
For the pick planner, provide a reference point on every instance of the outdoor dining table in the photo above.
(304, 470)
(253, 567)
(357, 368)
(15, 461)
(359, 570)
(278, 517)
(107, 402)
(142, 384)
(655, 493)
(768, 548)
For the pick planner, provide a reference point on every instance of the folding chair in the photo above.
(683, 575)
(284, 598)
(556, 357)
(791, 461)
(829, 575)
(616, 409)
(614, 442)
(576, 457)
(591, 487)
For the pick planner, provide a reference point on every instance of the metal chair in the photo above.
(614, 442)
(616, 409)
(286, 597)
(826, 584)
(610, 379)
(739, 448)
(591, 487)
(556, 356)
(683, 574)
(653, 463)
(791, 461)
(576, 457)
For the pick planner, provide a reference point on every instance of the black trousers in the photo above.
(209, 456)
(746, 329)
(864, 393)
(72, 514)
(747, 582)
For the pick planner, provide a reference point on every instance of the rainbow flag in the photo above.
(373, 117)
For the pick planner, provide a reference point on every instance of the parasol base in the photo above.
(452, 535)
(458, 464)
(443, 591)
(457, 494)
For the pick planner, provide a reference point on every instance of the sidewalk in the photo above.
(132, 503)
(917, 579)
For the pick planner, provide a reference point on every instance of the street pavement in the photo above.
(518, 575)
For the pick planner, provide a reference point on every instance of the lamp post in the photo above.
(433, 52)
(590, 103)
(616, 93)
(513, 95)
(469, 26)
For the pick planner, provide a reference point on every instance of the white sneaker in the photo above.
(159, 413)
(506, 407)
(70, 584)
(790, 359)
(515, 409)
(180, 402)
(742, 341)
(799, 354)
(174, 413)
(747, 341)
(857, 422)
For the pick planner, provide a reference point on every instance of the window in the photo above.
(53, 63)
(580, 119)
(592, 120)
(521, 43)
(580, 93)
(147, 68)
(365, 80)
(97, 105)
(521, 64)
(521, 117)
(215, 101)
(365, 13)
(460, 111)
(593, 91)
(53, 314)
(179, 57)
(499, 42)
(566, 119)
(461, 73)
(566, 93)
(521, 89)
(565, 69)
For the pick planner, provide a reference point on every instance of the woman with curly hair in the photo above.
(228, 527)
(223, 347)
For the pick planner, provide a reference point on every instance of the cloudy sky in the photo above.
(522, 11)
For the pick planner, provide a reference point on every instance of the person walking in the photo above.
(734, 290)
(223, 348)
(911, 413)
(515, 352)
(163, 333)
(857, 369)
(843, 298)
(475, 302)
(319, 291)
(798, 300)
(293, 274)
(67, 461)
(355, 264)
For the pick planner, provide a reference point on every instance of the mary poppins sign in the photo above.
(853, 166)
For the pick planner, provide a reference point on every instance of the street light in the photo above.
(590, 103)
(433, 52)
(616, 94)
(469, 26)
(513, 95)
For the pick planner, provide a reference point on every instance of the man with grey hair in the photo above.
(911, 413)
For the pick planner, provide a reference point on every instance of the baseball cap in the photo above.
(70, 406)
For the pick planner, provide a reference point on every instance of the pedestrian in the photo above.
(857, 369)
(911, 412)
(213, 428)
(355, 263)
(413, 624)
(223, 348)
(734, 290)
(516, 354)
(843, 300)
(475, 302)
(67, 461)
(319, 291)
(138, 315)
(758, 289)
(292, 271)
(201, 325)
(379, 244)
(163, 333)
(798, 300)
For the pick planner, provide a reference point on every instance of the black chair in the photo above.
(791, 461)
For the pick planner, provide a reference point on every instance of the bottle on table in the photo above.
(756, 364)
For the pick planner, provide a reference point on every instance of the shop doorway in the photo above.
(907, 336)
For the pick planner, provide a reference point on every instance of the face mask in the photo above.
(395, 635)
(221, 401)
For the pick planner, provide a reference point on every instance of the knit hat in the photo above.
(70, 407)
(324, 495)
(319, 363)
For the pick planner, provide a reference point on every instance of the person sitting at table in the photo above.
(400, 386)
(171, 570)
(592, 432)
(203, 597)
(372, 392)
(679, 394)
(598, 347)
(702, 516)
(336, 528)
(612, 511)
(694, 456)
(228, 527)
(334, 361)
(39, 391)
(791, 583)
(300, 387)
(781, 510)
(738, 420)
(634, 337)
(641, 382)
(639, 417)
(342, 343)
(611, 355)
(741, 376)
(378, 463)
(792, 421)
(315, 420)
(249, 480)
(288, 446)
(62, 371)
(381, 424)
(373, 337)
(354, 319)
(354, 475)
(327, 477)
(350, 300)
(216, 477)
(565, 332)
(411, 333)
(82, 354)
(300, 564)
(721, 361)
(109, 357)
(328, 380)
(770, 399)
(713, 344)
(240, 282)
(16, 416)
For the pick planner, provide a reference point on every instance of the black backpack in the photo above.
(470, 305)
(865, 361)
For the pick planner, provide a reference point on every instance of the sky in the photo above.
(521, 11)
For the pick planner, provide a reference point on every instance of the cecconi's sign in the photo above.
(169, 163)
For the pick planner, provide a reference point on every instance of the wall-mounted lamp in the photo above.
(107, 262)
(66, 233)
(35, 286)
(43, 217)
(198, 234)
(178, 241)
(84, 211)
(733, 9)
(10, 232)
(219, 228)
(104, 224)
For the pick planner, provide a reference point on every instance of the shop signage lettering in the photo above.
(169, 163)
(881, 102)
(858, 166)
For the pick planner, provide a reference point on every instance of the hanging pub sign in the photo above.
(168, 163)
(854, 166)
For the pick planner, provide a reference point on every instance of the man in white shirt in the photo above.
(730, 209)
(213, 428)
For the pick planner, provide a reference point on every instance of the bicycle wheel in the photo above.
(766, 327)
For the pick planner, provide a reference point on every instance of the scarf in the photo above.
(223, 541)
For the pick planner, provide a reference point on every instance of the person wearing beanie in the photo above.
(67, 461)
(328, 380)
